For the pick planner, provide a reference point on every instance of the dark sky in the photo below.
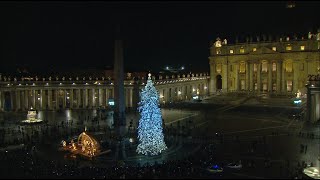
(47, 36)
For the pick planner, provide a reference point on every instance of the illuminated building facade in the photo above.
(278, 67)
(313, 98)
(87, 92)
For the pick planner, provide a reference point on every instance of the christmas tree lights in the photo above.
(150, 132)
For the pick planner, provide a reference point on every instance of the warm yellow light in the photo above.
(302, 48)
(231, 51)
(274, 48)
(288, 48)
(254, 49)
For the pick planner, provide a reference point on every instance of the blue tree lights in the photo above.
(150, 132)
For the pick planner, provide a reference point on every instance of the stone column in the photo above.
(17, 100)
(100, 97)
(236, 83)
(247, 76)
(64, 99)
(50, 99)
(12, 100)
(86, 98)
(258, 77)
(278, 77)
(225, 77)
(212, 87)
(283, 83)
(78, 98)
(34, 98)
(56, 91)
(1, 101)
(93, 98)
(26, 99)
(131, 94)
(41, 100)
(107, 97)
(71, 98)
(270, 77)
(296, 71)
(22, 100)
(251, 77)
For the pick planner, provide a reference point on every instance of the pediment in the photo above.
(263, 50)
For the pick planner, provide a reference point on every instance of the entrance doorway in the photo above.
(219, 82)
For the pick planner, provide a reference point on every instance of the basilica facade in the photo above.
(277, 67)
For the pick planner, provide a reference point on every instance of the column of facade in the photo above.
(78, 98)
(64, 102)
(71, 98)
(251, 77)
(34, 98)
(247, 76)
(17, 100)
(41, 103)
(12, 100)
(270, 77)
(258, 77)
(236, 83)
(130, 100)
(93, 98)
(56, 91)
(86, 98)
(26, 99)
(22, 103)
(49, 99)
(1, 101)
(212, 86)
(107, 96)
(283, 83)
(225, 77)
(278, 68)
(128, 96)
(296, 71)
(100, 97)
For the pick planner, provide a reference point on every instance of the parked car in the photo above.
(215, 169)
(234, 165)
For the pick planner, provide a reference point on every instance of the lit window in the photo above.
(242, 67)
(264, 66)
(288, 48)
(231, 51)
(241, 50)
(302, 48)
(255, 67)
(274, 48)
(254, 49)
(274, 66)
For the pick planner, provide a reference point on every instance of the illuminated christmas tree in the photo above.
(150, 132)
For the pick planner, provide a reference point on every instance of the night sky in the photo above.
(66, 36)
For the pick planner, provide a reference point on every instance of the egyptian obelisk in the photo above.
(119, 108)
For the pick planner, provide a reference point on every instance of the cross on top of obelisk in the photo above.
(149, 76)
